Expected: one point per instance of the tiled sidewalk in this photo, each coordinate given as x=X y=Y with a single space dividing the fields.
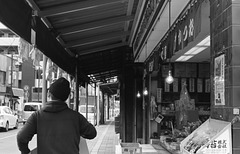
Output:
x=105 y=141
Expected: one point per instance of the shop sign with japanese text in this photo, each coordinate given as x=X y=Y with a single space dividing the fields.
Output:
x=153 y=62
x=220 y=145
x=151 y=65
x=186 y=28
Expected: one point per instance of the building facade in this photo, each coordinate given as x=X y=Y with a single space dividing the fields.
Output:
x=200 y=47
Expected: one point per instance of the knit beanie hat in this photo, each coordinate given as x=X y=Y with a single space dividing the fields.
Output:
x=60 y=89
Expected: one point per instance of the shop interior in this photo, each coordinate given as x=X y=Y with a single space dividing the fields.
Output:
x=184 y=103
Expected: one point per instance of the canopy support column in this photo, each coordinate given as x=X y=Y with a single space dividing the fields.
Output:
x=44 y=86
x=76 y=93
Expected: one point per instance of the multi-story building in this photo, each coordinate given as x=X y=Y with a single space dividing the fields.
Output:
x=15 y=77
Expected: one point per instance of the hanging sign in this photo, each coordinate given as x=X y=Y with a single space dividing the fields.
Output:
x=175 y=85
x=207 y=86
x=159 y=118
x=185 y=30
x=163 y=53
x=219 y=90
x=151 y=65
x=159 y=95
x=191 y=85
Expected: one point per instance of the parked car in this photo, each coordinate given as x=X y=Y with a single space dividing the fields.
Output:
x=91 y=113
x=29 y=108
x=7 y=118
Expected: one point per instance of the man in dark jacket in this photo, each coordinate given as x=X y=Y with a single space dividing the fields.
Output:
x=58 y=127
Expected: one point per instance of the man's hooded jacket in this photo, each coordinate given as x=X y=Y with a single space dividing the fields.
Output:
x=58 y=130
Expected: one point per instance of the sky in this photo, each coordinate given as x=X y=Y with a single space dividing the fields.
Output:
x=2 y=26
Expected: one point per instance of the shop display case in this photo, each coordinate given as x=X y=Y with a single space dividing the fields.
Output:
x=183 y=113
x=212 y=137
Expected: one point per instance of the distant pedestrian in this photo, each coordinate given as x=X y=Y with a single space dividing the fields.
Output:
x=58 y=127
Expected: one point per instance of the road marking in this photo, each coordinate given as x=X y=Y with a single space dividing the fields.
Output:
x=8 y=136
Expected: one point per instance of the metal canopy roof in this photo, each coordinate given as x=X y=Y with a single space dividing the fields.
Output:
x=110 y=88
x=96 y=32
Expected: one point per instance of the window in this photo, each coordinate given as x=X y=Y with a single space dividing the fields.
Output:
x=10 y=111
x=2 y=77
x=30 y=108
x=38 y=74
x=83 y=109
x=36 y=89
x=6 y=110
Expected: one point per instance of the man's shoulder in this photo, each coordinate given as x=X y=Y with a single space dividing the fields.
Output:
x=73 y=111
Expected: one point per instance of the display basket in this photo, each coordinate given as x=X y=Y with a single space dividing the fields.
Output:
x=212 y=137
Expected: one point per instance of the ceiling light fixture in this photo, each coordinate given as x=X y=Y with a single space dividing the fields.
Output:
x=169 y=79
x=145 y=92
x=138 y=94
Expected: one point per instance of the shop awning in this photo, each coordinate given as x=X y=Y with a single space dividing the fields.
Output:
x=92 y=36
x=18 y=92
x=91 y=100
x=17 y=15
x=15 y=92
x=110 y=88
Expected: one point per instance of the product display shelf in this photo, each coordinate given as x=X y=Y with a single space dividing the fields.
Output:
x=204 y=113
x=205 y=137
x=172 y=147
x=168 y=113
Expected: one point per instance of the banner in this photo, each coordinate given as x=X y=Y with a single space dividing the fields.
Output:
x=185 y=30
x=219 y=76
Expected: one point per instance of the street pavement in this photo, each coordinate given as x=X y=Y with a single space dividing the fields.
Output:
x=8 y=142
x=104 y=143
x=106 y=139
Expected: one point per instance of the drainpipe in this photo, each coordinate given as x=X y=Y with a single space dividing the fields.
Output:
x=11 y=94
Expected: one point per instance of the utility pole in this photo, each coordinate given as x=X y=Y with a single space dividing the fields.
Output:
x=11 y=82
x=38 y=75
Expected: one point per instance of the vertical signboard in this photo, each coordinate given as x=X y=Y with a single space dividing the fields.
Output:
x=159 y=95
x=175 y=85
x=219 y=97
x=191 y=85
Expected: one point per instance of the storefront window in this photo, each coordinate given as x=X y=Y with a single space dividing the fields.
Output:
x=1 y=100
x=2 y=77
